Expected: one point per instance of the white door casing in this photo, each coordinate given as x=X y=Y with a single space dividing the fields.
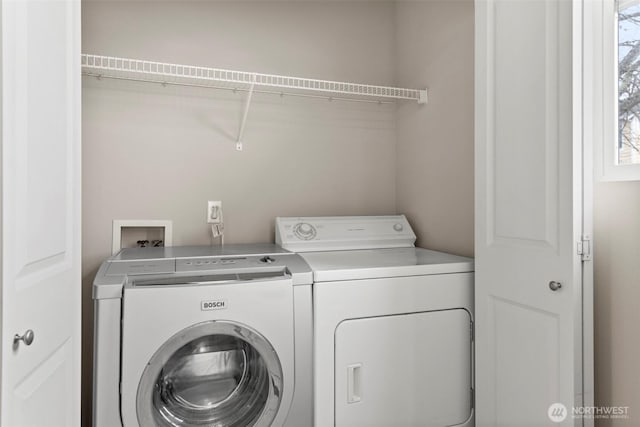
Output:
x=529 y=207
x=41 y=212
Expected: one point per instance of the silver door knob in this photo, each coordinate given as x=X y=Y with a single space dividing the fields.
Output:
x=27 y=338
x=554 y=286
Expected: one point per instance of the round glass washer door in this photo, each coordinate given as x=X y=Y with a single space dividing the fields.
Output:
x=213 y=373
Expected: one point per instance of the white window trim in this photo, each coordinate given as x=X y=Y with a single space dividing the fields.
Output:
x=605 y=95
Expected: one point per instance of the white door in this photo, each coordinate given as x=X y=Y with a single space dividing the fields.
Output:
x=529 y=207
x=40 y=213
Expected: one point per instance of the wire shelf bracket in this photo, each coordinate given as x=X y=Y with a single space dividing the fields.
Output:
x=188 y=75
x=244 y=117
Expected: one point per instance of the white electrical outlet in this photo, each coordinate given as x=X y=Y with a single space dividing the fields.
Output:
x=214 y=212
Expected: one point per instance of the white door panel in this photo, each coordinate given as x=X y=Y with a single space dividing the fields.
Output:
x=54 y=376
x=536 y=334
x=528 y=211
x=41 y=212
x=524 y=194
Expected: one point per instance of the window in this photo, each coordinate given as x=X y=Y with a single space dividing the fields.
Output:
x=618 y=146
x=628 y=144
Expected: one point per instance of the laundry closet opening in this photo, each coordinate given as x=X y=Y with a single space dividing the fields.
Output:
x=160 y=152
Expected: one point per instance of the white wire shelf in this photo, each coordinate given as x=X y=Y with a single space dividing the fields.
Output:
x=188 y=75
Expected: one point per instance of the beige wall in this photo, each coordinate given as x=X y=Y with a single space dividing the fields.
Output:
x=434 y=175
x=617 y=298
x=151 y=152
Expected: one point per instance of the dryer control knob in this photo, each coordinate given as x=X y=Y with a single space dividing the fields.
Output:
x=398 y=227
x=304 y=231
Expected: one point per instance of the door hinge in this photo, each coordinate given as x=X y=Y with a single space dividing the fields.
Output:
x=584 y=248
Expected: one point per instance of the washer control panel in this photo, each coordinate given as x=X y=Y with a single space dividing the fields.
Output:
x=308 y=234
x=217 y=263
x=149 y=266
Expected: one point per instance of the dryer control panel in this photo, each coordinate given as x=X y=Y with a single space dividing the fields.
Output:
x=312 y=234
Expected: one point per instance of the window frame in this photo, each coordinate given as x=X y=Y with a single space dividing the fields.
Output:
x=606 y=95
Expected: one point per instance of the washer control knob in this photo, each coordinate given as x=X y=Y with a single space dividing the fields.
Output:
x=398 y=227
x=304 y=231
x=267 y=259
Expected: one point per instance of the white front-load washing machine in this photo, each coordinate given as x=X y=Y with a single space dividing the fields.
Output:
x=393 y=324
x=203 y=336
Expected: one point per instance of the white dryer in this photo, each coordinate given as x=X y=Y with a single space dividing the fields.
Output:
x=195 y=336
x=393 y=324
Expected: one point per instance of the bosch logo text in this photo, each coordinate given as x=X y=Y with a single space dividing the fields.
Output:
x=213 y=305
